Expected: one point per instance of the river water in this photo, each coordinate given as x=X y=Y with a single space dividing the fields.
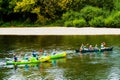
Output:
x=76 y=66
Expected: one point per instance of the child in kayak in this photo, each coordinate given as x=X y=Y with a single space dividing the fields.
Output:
x=26 y=57
x=45 y=53
x=15 y=58
x=41 y=50
x=54 y=52
x=35 y=55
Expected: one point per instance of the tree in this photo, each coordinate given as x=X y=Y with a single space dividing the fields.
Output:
x=45 y=10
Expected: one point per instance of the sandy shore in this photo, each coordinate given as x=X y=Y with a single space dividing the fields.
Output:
x=59 y=31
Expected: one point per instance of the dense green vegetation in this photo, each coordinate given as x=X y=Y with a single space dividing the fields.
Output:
x=76 y=13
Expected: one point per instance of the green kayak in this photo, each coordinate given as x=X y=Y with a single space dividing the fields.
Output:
x=31 y=61
x=58 y=55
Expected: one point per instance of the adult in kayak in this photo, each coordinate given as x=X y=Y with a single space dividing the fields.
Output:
x=82 y=47
x=90 y=47
x=96 y=47
x=103 y=45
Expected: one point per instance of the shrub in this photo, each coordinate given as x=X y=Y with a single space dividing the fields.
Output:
x=109 y=21
x=6 y=24
x=68 y=24
x=79 y=23
x=113 y=20
x=90 y=12
x=1 y=22
x=71 y=15
x=97 y=22
x=117 y=5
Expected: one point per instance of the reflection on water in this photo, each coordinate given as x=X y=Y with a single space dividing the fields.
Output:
x=76 y=66
x=94 y=58
x=80 y=66
x=114 y=74
x=42 y=71
x=28 y=43
x=26 y=67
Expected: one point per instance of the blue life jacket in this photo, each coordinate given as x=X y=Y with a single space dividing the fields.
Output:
x=15 y=59
x=34 y=54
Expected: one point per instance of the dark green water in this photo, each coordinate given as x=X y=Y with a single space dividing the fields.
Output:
x=76 y=66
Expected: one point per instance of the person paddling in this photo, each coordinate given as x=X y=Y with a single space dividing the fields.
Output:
x=41 y=50
x=96 y=47
x=26 y=57
x=103 y=45
x=54 y=52
x=82 y=47
x=90 y=47
x=15 y=58
x=34 y=53
x=45 y=53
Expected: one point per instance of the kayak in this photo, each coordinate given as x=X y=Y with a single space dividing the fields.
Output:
x=95 y=50
x=58 y=55
x=44 y=58
x=32 y=60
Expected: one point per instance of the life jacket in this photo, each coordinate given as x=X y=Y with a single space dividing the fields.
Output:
x=15 y=59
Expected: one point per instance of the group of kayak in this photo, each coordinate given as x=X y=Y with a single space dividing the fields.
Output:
x=43 y=56
x=84 y=49
x=34 y=57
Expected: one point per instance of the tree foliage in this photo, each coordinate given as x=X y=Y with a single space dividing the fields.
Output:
x=113 y=20
x=79 y=23
x=90 y=12
x=97 y=22
x=71 y=15
x=49 y=11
